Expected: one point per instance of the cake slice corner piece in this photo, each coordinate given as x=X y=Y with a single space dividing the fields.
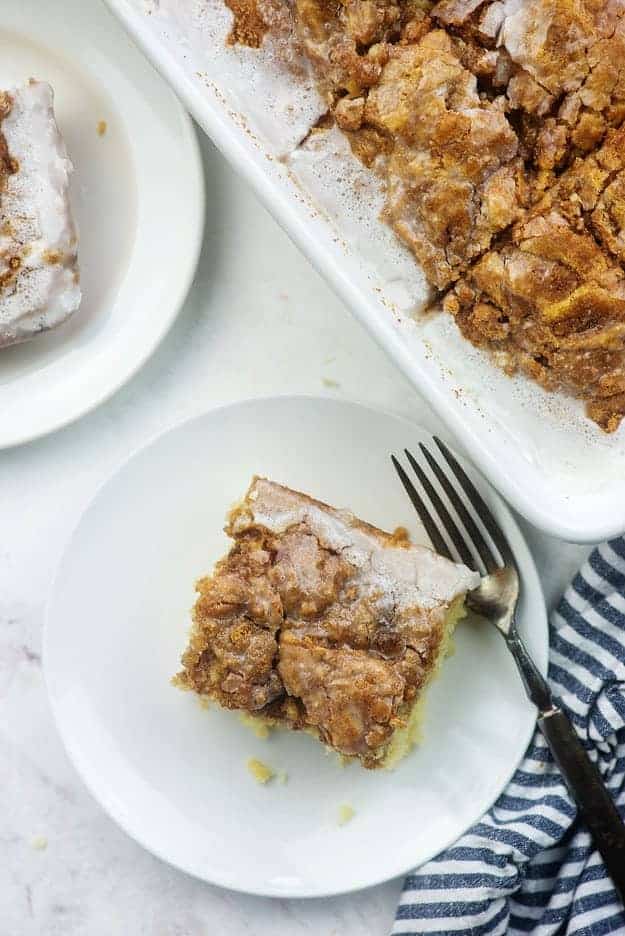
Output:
x=39 y=281
x=318 y=621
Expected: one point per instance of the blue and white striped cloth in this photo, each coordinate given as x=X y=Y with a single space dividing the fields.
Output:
x=528 y=866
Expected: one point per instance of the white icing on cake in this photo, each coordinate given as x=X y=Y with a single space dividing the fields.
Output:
x=524 y=32
x=36 y=225
x=413 y=576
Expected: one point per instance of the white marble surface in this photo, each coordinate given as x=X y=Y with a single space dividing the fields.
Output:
x=258 y=321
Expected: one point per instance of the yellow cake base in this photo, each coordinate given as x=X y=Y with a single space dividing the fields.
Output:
x=404 y=739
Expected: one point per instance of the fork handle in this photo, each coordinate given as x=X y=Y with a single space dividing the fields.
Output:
x=596 y=806
x=536 y=686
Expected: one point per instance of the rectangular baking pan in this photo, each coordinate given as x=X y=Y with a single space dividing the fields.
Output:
x=538 y=449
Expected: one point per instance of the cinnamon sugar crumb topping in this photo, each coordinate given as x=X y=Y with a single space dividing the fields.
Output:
x=318 y=622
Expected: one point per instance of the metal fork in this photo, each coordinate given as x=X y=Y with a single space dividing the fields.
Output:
x=496 y=599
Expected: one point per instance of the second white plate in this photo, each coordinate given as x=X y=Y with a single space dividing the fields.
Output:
x=138 y=196
x=174 y=775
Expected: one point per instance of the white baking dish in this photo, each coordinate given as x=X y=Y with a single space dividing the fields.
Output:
x=554 y=466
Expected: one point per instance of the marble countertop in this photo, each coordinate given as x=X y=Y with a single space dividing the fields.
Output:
x=258 y=321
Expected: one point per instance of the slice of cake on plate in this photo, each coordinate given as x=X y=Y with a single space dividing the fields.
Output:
x=318 y=621
x=38 y=245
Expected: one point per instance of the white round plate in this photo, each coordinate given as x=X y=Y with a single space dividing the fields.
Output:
x=173 y=774
x=138 y=198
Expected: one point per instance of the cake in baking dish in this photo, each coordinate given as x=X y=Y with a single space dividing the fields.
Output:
x=39 y=285
x=496 y=127
x=563 y=262
x=319 y=622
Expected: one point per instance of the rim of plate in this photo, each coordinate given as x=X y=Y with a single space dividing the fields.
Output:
x=107 y=805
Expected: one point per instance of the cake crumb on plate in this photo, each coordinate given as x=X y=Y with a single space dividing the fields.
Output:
x=346 y=813
x=262 y=773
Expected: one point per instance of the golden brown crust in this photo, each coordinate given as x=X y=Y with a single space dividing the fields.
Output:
x=592 y=194
x=566 y=66
x=453 y=176
x=284 y=628
x=550 y=300
x=551 y=303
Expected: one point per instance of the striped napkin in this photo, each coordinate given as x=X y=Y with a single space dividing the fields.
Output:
x=528 y=866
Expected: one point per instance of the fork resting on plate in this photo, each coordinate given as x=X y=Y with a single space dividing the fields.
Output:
x=487 y=551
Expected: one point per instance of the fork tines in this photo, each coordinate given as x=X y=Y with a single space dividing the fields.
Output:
x=466 y=542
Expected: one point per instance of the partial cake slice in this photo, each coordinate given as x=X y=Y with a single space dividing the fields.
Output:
x=320 y=622
x=38 y=244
